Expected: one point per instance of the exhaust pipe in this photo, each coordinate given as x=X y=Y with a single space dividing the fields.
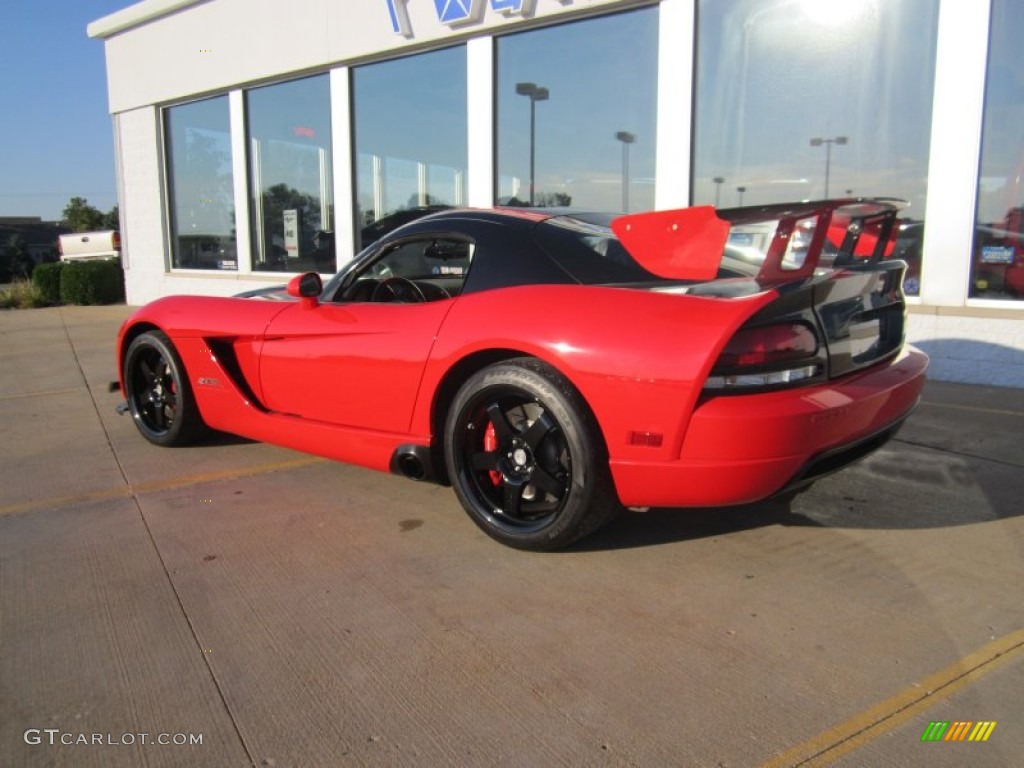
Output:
x=409 y=464
x=412 y=461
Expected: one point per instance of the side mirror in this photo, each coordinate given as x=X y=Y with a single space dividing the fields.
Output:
x=307 y=288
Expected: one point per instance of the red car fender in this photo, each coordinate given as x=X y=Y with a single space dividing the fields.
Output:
x=241 y=321
x=639 y=358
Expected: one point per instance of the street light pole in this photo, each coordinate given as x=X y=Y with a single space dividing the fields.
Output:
x=741 y=190
x=817 y=142
x=626 y=138
x=535 y=94
x=719 y=181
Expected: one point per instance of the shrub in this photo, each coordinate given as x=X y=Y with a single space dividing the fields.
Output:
x=46 y=278
x=91 y=282
x=21 y=295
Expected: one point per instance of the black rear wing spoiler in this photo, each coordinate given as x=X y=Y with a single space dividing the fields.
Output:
x=687 y=243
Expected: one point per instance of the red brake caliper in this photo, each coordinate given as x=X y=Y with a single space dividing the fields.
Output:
x=491 y=444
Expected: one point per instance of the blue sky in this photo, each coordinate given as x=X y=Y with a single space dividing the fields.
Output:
x=56 y=139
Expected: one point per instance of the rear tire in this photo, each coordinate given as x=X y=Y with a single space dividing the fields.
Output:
x=526 y=458
x=158 y=391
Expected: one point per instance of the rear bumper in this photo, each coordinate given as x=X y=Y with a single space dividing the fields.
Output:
x=745 y=448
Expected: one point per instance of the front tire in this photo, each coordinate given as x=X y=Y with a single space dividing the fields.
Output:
x=526 y=457
x=159 y=394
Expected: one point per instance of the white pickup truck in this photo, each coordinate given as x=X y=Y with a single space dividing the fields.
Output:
x=89 y=246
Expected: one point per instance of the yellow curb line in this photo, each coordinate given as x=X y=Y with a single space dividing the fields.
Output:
x=43 y=393
x=827 y=747
x=157 y=485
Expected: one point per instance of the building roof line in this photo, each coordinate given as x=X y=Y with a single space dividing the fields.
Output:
x=135 y=15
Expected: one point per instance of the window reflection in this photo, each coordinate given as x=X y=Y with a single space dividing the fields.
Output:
x=200 y=185
x=804 y=99
x=418 y=270
x=576 y=114
x=410 y=137
x=998 y=266
x=290 y=176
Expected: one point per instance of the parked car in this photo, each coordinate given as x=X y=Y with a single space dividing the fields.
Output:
x=89 y=246
x=553 y=368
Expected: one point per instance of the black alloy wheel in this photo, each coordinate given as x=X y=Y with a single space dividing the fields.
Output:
x=159 y=396
x=526 y=458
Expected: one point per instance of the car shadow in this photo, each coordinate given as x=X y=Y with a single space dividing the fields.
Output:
x=972 y=361
x=844 y=511
x=632 y=530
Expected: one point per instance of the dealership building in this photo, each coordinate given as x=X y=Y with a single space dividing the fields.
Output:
x=255 y=139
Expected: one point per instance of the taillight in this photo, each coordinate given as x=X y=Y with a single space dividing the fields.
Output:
x=767 y=356
x=117 y=241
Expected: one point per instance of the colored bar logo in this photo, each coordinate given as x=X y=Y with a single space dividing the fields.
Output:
x=958 y=730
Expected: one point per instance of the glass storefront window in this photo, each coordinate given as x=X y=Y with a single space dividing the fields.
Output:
x=289 y=146
x=576 y=114
x=200 y=185
x=997 y=270
x=410 y=139
x=807 y=99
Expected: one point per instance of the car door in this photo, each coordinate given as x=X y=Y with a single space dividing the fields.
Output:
x=357 y=361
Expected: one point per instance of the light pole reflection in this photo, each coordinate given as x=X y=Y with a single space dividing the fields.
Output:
x=626 y=138
x=719 y=181
x=817 y=142
x=535 y=93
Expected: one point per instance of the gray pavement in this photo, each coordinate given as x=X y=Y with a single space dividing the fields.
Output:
x=285 y=610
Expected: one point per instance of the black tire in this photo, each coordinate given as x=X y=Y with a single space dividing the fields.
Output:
x=526 y=458
x=158 y=391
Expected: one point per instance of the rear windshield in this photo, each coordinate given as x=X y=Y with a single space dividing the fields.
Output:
x=586 y=248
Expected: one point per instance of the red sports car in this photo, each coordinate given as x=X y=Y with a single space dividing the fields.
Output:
x=555 y=367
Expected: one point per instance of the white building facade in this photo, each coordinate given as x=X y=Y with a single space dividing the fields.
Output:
x=256 y=139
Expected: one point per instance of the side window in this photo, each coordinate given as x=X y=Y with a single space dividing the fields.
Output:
x=424 y=269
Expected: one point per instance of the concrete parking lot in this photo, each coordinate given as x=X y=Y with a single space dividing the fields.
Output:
x=237 y=604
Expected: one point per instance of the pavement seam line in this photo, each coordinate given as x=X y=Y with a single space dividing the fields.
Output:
x=973 y=408
x=159 y=555
x=871 y=723
x=951 y=452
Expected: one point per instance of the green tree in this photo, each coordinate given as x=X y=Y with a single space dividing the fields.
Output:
x=16 y=263
x=112 y=218
x=81 y=216
x=553 y=200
